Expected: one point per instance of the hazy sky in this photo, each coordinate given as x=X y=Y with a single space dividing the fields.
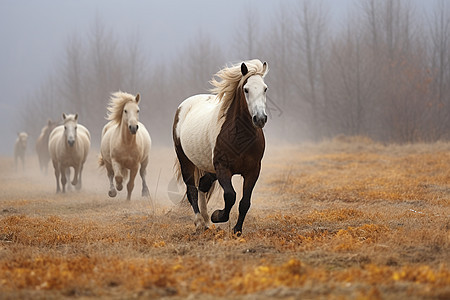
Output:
x=33 y=35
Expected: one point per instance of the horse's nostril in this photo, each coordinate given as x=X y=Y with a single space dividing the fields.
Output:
x=255 y=120
x=265 y=118
x=137 y=127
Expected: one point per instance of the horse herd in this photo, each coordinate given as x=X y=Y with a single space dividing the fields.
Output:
x=215 y=137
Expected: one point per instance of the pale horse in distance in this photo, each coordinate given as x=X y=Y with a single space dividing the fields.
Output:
x=42 y=145
x=68 y=146
x=20 y=148
x=125 y=144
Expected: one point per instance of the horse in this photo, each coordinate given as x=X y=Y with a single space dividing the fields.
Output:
x=125 y=144
x=219 y=135
x=20 y=148
x=68 y=146
x=42 y=146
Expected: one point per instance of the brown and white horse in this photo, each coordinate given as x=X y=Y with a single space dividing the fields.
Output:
x=218 y=136
x=42 y=145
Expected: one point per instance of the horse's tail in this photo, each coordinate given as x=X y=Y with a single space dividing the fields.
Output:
x=197 y=175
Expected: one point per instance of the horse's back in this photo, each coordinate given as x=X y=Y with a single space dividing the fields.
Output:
x=197 y=128
x=55 y=136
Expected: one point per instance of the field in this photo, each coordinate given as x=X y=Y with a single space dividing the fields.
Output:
x=342 y=219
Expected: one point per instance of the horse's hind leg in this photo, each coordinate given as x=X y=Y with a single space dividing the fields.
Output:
x=204 y=187
x=143 y=172
x=130 y=184
x=187 y=172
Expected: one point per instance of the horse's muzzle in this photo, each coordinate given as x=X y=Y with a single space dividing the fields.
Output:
x=71 y=142
x=133 y=128
x=259 y=120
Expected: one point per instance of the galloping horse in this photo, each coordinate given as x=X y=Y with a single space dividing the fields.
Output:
x=125 y=144
x=217 y=136
x=20 y=148
x=68 y=146
x=42 y=145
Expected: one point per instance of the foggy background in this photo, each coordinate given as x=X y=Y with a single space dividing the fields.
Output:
x=379 y=68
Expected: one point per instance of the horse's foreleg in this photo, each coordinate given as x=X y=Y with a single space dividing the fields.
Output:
x=57 y=173
x=75 y=176
x=229 y=196
x=118 y=174
x=244 y=204
x=63 y=178
x=143 y=172
x=78 y=176
x=130 y=184
x=112 y=190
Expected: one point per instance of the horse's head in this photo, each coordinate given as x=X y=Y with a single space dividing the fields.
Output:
x=255 y=94
x=22 y=138
x=130 y=114
x=70 y=128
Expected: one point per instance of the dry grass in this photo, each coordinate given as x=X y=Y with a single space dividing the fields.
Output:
x=348 y=218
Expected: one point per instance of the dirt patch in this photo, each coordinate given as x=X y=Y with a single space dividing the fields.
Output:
x=341 y=219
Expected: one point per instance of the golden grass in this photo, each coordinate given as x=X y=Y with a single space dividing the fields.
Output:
x=348 y=218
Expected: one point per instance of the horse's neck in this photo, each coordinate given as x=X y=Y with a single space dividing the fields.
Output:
x=238 y=111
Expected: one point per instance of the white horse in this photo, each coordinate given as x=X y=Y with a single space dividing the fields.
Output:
x=20 y=148
x=68 y=146
x=125 y=144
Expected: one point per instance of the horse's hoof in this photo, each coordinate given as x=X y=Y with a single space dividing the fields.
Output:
x=237 y=232
x=219 y=217
x=112 y=194
x=145 y=193
x=119 y=186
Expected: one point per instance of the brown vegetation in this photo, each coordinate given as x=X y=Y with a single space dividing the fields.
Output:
x=348 y=218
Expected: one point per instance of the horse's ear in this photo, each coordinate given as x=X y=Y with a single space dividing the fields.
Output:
x=138 y=97
x=64 y=116
x=76 y=117
x=244 y=69
x=49 y=122
x=265 y=69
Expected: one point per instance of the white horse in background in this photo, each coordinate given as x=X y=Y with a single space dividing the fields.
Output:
x=20 y=148
x=125 y=144
x=68 y=146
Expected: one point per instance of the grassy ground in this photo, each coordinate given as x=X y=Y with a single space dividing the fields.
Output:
x=345 y=219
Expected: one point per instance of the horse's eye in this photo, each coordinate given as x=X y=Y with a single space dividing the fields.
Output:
x=76 y=127
x=246 y=90
x=138 y=111
x=65 y=127
x=125 y=111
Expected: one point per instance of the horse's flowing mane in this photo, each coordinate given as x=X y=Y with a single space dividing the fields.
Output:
x=230 y=80
x=116 y=103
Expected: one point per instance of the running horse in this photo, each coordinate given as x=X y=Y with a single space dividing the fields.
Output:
x=125 y=144
x=219 y=135
x=42 y=146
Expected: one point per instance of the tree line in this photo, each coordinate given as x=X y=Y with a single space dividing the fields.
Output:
x=383 y=73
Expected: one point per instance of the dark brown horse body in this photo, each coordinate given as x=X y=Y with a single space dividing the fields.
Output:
x=238 y=149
